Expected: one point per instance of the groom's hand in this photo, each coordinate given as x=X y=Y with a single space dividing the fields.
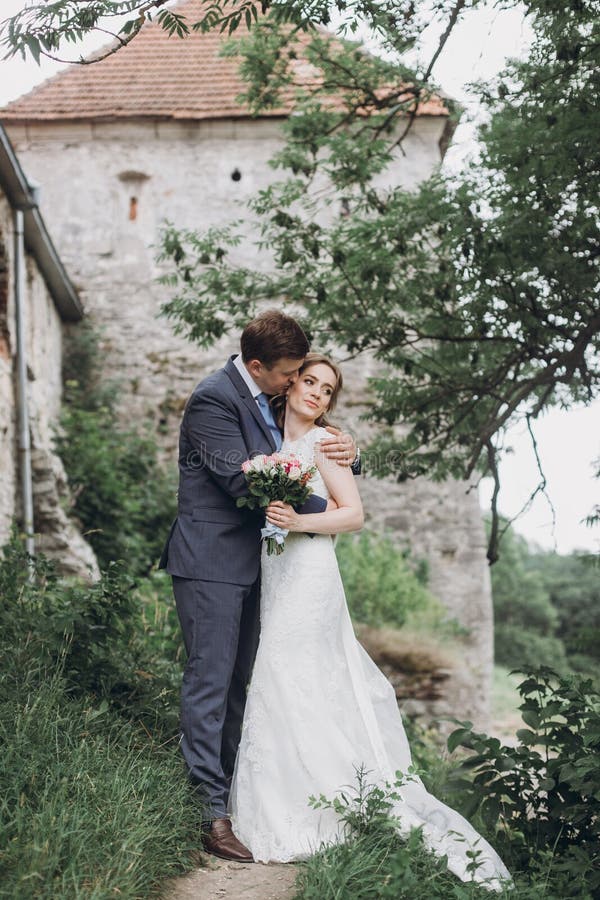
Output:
x=340 y=446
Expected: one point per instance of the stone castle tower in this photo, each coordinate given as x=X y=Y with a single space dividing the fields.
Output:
x=154 y=133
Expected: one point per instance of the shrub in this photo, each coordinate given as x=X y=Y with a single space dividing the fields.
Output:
x=103 y=636
x=537 y=802
x=123 y=498
x=375 y=861
x=384 y=588
x=542 y=796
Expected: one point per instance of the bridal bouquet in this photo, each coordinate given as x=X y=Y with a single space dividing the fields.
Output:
x=281 y=476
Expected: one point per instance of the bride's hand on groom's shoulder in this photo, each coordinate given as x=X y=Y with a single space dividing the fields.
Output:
x=340 y=446
x=284 y=515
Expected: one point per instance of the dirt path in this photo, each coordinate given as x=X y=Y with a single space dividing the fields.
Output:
x=219 y=879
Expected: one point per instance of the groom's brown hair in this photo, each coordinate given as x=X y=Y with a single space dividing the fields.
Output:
x=271 y=336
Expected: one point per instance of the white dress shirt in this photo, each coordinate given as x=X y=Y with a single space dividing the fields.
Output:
x=248 y=379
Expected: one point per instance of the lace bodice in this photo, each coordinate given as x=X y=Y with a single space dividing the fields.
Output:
x=304 y=448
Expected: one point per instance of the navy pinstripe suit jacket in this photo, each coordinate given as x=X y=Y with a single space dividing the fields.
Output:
x=212 y=539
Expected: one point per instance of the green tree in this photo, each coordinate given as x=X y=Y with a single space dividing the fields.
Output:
x=44 y=29
x=573 y=587
x=525 y=619
x=479 y=294
x=546 y=608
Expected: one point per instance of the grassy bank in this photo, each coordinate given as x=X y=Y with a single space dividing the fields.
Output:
x=93 y=798
x=90 y=807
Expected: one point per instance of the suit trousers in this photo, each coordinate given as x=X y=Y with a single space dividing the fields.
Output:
x=220 y=625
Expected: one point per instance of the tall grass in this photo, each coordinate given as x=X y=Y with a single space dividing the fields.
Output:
x=94 y=801
x=385 y=867
x=88 y=808
x=380 y=866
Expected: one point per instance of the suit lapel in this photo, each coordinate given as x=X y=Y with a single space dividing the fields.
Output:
x=248 y=400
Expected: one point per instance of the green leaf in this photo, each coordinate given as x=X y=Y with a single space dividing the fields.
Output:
x=527 y=737
x=546 y=784
x=34 y=47
x=531 y=718
x=458 y=738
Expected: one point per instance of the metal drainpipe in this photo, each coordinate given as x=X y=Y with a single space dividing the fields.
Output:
x=23 y=438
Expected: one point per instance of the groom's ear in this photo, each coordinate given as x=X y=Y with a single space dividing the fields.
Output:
x=255 y=367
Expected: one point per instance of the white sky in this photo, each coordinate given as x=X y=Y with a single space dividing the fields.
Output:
x=568 y=442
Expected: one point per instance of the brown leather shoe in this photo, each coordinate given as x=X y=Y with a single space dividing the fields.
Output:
x=222 y=842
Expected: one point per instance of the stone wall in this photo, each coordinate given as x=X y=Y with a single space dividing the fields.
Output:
x=57 y=536
x=105 y=191
x=429 y=677
x=106 y=188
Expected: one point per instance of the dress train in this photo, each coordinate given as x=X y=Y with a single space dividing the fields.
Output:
x=319 y=710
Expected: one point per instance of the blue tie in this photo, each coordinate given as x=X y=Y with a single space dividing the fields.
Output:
x=265 y=408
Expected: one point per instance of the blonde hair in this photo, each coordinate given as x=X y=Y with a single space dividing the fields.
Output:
x=311 y=359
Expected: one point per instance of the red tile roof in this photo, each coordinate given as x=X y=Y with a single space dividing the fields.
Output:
x=157 y=77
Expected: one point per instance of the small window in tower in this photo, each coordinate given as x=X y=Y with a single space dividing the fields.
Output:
x=134 y=182
x=236 y=175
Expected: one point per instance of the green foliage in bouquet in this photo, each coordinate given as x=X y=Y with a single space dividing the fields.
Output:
x=268 y=479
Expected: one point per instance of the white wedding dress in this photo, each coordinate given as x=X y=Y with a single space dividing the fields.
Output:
x=318 y=709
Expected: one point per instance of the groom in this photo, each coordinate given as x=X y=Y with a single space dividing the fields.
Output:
x=213 y=553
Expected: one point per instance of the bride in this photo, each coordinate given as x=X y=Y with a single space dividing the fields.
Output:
x=318 y=709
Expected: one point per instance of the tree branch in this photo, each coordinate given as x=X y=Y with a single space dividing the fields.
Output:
x=492 y=550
